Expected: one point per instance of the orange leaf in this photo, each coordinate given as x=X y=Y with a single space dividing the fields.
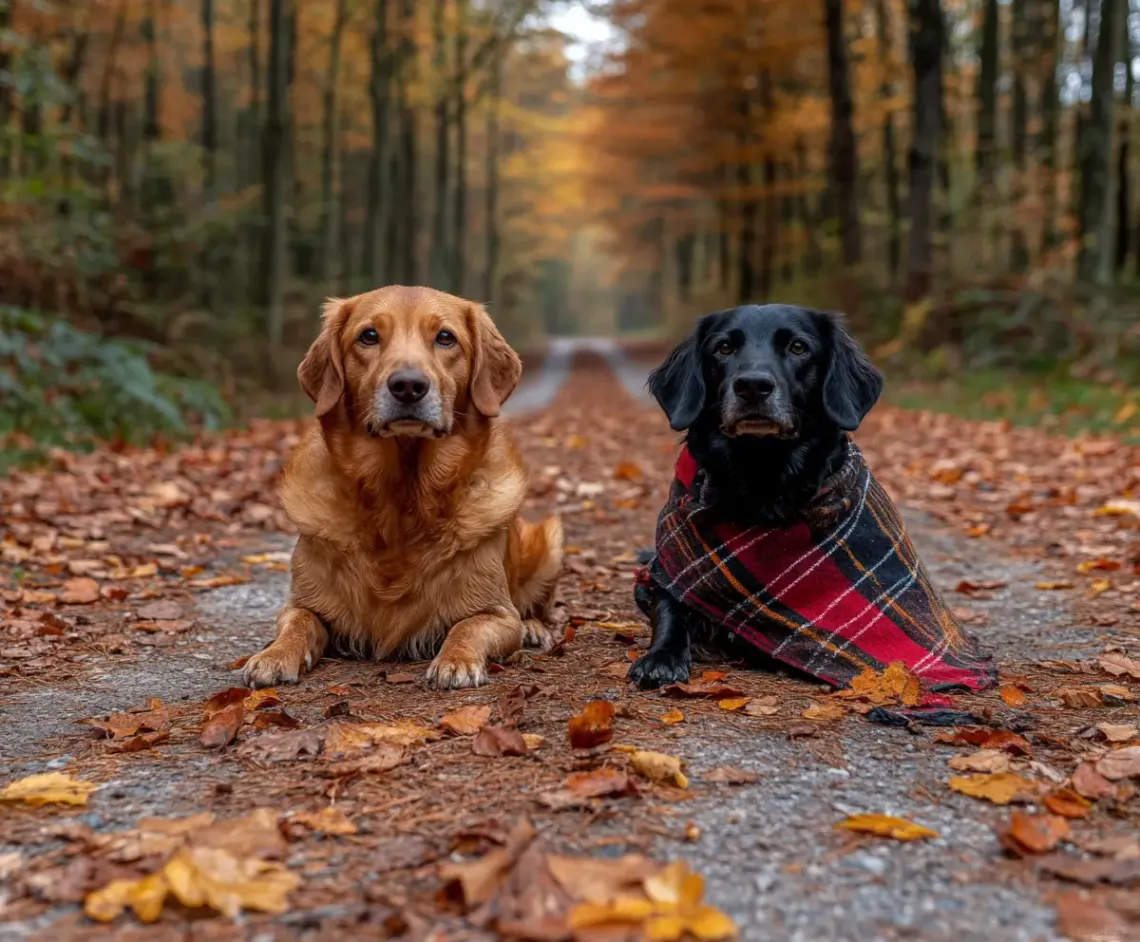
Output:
x=1012 y=696
x=733 y=704
x=593 y=726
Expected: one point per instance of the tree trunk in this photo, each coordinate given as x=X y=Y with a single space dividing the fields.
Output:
x=1094 y=261
x=376 y=257
x=409 y=156
x=844 y=153
x=1123 y=168
x=927 y=41
x=209 y=105
x=440 y=250
x=890 y=160
x=683 y=254
x=771 y=205
x=1050 y=119
x=459 y=248
x=492 y=195
x=253 y=159
x=7 y=7
x=1022 y=64
x=749 y=212
x=152 y=129
x=987 y=93
x=274 y=152
x=329 y=148
x=813 y=255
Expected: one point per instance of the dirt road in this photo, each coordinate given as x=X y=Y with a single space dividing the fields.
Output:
x=187 y=556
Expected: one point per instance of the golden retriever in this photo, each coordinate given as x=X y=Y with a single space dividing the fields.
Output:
x=406 y=495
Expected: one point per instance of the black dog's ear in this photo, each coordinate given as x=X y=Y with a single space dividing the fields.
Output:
x=678 y=384
x=852 y=384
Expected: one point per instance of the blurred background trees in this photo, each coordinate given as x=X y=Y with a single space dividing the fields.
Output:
x=195 y=175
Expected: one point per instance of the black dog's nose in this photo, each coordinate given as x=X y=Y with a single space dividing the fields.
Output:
x=753 y=387
x=408 y=386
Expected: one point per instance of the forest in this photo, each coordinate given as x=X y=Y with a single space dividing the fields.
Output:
x=183 y=181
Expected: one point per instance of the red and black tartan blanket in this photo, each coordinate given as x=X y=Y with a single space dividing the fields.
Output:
x=832 y=594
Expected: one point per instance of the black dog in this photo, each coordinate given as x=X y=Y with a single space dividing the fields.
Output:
x=766 y=395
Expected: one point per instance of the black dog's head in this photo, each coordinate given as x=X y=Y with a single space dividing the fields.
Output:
x=771 y=370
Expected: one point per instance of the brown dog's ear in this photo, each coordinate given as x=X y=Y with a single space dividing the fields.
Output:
x=495 y=367
x=321 y=373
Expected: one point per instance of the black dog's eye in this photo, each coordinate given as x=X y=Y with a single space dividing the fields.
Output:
x=368 y=337
x=445 y=338
x=797 y=348
x=725 y=348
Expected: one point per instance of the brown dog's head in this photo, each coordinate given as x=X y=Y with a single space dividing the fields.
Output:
x=407 y=362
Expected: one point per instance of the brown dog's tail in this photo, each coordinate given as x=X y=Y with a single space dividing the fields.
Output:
x=534 y=562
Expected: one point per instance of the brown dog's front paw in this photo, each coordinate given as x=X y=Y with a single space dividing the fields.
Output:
x=536 y=635
x=450 y=670
x=274 y=666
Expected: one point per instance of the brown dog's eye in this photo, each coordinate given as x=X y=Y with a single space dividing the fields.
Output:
x=797 y=348
x=445 y=338
x=368 y=337
x=725 y=348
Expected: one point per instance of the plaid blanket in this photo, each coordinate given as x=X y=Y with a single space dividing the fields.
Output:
x=831 y=594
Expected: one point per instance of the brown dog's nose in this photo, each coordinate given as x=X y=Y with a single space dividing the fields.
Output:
x=408 y=386
x=753 y=387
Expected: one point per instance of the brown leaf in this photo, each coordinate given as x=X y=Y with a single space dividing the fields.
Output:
x=580 y=787
x=1116 y=732
x=283 y=747
x=223 y=699
x=496 y=741
x=626 y=471
x=343 y=739
x=1122 y=763
x=718 y=690
x=466 y=721
x=1118 y=665
x=729 y=775
x=478 y=881
x=382 y=757
x=330 y=820
x=1091 y=872
x=82 y=591
x=222 y=726
x=1033 y=833
x=1089 y=783
x=825 y=712
x=1081 y=697
x=141 y=742
x=399 y=678
x=513 y=703
x=264 y=719
x=1085 y=920
x=768 y=705
x=968 y=587
x=1067 y=803
x=160 y=611
x=984 y=760
x=593 y=726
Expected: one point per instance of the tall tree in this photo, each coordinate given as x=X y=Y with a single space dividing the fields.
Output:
x=890 y=160
x=927 y=43
x=844 y=153
x=440 y=251
x=989 y=56
x=1047 y=145
x=209 y=103
x=6 y=9
x=1094 y=144
x=275 y=257
x=329 y=136
x=459 y=248
x=491 y=193
x=407 y=188
x=1123 y=163
x=1022 y=47
x=376 y=254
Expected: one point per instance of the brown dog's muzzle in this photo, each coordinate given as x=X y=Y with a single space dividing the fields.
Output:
x=408 y=404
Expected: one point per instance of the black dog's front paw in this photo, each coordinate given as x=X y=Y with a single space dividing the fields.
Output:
x=658 y=668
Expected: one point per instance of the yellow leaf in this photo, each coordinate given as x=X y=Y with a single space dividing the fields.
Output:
x=672 y=717
x=676 y=885
x=1054 y=585
x=575 y=441
x=897 y=683
x=1001 y=787
x=326 y=821
x=668 y=928
x=204 y=876
x=534 y=741
x=732 y=704
x=659 y=767
x=1098 y=586
x=48 y=788
x=710 y=925
x=144 y=896
x=1118 y=508
x=825 y=711
x=1124 y=413
x=886 y=826
x=633 y=909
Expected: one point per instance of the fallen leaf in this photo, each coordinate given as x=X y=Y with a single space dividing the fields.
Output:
x=593 y=726
x=1085 y=920
x=224 y=698
x=729 y=775
x=1067 y=803
x=533 y=741
x=984 y=760
x=124 y=725
x=1123 y=763
x=1098 y=565
x=221 y=728
x=345 y=739
x=1012 y=696
x=216 y=582
x=477 y=881
x=626 y=471
x=1115 y=693
x=580 y=787
x=896 y=684
x=140 y=743
x=1116 y=846
x=1033 y=833
x=382 y=757
x=496 y=741
x=1089 y=783
x=283 y=747
x=1001 y=787
x=1091 y=872
x=985 y=738
x=825 y=712
x=160 y=611
x=399 y=678
x=734 y=704
x=968 y=587
x=1054 y=585
x=82 y=591
x=1081 y=697
x=1118 y=665
x=768 y=705
x=718 y=690
x=885 y=825
x=466 y=721
x=330 y=820
x=659 y=767
x=1117 y=732
x=145 y=897
x=672 y=717
x=48 y=788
